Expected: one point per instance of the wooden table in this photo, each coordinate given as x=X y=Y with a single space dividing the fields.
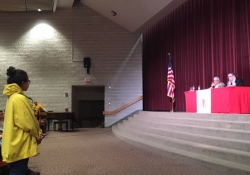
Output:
x=232 y=100
x=60 y=116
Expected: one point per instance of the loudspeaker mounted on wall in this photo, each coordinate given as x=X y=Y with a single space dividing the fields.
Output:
x=87 y=63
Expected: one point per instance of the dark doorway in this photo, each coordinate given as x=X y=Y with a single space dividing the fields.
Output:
x=90 y=113
x=88 y=105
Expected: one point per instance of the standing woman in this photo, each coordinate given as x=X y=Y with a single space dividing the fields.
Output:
x=22 y=133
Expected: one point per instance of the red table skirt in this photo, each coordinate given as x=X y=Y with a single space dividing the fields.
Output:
x=191 y=101
x=223 y=100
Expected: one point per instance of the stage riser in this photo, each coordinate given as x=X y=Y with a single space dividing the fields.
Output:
x=232 y=117
x=188 y=146
x=200 y=122
x=224 y=167
x=216 y=132
x=225 y=139
x=196 y=138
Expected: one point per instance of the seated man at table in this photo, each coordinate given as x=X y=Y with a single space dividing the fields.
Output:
x=217 y=83
x=233 y=81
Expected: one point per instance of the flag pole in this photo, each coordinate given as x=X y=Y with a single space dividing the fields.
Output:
x=172 y=110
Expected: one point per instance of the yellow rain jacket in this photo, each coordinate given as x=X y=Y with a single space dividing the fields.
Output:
x=21 y=128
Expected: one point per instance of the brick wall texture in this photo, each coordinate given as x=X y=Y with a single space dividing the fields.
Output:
x=51 y=47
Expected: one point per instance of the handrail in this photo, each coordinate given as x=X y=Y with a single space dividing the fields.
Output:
x=122 y=107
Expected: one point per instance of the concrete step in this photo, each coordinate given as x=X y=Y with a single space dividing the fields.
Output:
x=241 y=145
x=207 y=131
x=222 y=166
x=242 y=157
x=218 y=123
x=231 y=117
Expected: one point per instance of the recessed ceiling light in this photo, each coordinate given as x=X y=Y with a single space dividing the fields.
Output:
x=39 y=10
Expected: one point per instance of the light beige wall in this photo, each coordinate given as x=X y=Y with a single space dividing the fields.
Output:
x=53 y=57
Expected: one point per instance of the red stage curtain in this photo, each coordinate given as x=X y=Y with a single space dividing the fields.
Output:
x=205 y=38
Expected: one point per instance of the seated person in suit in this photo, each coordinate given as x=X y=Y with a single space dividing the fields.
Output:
x=217 y=83
x=39 y=108
x=233 y=81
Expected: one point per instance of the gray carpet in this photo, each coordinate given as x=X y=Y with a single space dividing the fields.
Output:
x=96 y=151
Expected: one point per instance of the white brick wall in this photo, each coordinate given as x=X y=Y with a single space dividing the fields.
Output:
x=53 y=57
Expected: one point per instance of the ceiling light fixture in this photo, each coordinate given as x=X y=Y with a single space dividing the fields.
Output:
x=39 y=10
x=113 y=13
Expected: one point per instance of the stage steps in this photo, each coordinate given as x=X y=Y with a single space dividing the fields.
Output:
x=216 y=141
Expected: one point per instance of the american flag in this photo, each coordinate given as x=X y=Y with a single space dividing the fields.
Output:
x=171 y=82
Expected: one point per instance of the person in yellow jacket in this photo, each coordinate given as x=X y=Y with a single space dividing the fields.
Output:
x=22 y=133
x=37 y=107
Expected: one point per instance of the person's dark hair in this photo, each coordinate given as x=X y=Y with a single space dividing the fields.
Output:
x=233 y=74
x=1 y=111
x=17 y=76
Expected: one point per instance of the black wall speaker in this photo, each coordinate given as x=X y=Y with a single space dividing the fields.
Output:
x=87 y=62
